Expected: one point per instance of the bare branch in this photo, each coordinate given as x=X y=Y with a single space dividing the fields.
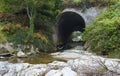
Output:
x=28 y=12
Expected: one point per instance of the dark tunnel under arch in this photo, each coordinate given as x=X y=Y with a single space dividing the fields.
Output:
x=67 y=23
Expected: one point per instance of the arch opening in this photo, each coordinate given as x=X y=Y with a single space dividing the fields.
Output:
x=67 y=23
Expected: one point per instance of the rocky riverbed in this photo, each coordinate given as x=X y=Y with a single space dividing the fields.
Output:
x=78 y=63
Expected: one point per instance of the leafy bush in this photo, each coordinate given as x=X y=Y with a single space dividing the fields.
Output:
x=40 y=16
x=2 y=36
x=88 y=3
x=18 y=34
x=103 y=35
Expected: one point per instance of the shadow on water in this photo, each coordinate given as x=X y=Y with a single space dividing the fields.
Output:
x=33 y=59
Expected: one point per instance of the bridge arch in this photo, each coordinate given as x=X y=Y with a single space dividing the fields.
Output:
x=67 y=23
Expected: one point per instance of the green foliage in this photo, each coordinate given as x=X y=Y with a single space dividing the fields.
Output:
x=11 y=5
x=18 y=37
x=17 y=34
x=41 y=14
x=48 y=8
x=103 y=35
x=83 y=4
x=2 y=36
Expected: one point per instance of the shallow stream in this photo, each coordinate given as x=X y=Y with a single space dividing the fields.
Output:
x=33 y=59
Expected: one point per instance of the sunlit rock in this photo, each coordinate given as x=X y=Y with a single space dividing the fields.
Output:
x=9 y=69
x=112 y=65
x=54 y=73
x=66 y=71
x=85 y=65
x=34 y=70
x=57 y=65
x=21 y=54
x=3 y=68
x=69 y=54
x=94 y=65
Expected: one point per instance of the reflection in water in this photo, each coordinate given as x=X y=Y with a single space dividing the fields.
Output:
x=34 y=59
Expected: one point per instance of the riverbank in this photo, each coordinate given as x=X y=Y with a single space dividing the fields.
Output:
x=79 y=63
